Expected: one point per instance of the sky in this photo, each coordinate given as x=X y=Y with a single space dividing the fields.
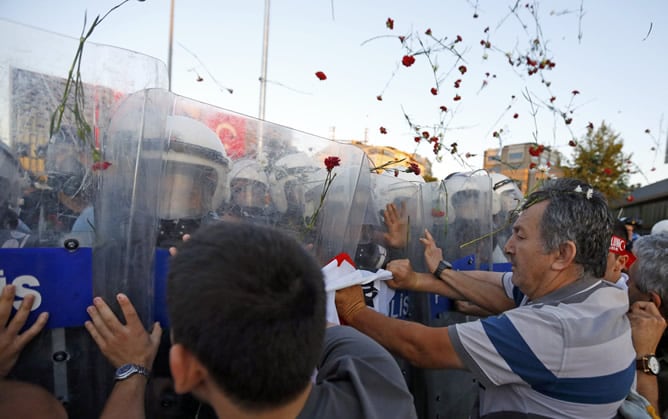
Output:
x=609 y=51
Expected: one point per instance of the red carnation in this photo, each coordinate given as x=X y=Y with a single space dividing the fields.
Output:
x=320 y=75
x=456 y=98
x=444 y=108
x=389 y=23
x=408 y=60
x=572 y=143
x=331 y=162
x=413 y=168
x=101 y=165
x=434 y=91
x=516 y=116
x=383 y=130
x=427 y=32
x=458 y=39
x=462 y=69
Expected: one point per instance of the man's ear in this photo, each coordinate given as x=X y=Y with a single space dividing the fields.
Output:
x=620 y=263
x=186 y=369
x=565 y=256
x=658 y=302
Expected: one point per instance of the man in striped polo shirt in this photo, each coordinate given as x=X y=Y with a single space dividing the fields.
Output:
x=565 y=350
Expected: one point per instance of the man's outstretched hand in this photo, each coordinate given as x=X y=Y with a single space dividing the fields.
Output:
x=127 y=343
x=11 y=341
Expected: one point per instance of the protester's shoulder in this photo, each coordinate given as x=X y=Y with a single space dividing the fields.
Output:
x=345 y=340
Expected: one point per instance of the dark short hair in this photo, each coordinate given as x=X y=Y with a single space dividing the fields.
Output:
x=249 y=302
x=575 y=212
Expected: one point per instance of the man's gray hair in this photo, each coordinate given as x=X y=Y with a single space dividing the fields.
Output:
x=578 y=213
x=652 y=264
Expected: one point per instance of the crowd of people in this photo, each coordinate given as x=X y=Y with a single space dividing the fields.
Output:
x=576 y=329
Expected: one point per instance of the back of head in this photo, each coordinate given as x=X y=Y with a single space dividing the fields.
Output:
x=578 y=213
x=661 y=227
x=28 y=401
x=249 y=303
x=650 y=272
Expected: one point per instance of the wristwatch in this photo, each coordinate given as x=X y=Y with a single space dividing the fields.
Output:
x=648 y=364
x=128 y=370
x=442 y=265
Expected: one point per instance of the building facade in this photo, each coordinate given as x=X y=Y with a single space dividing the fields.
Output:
x=524 y=163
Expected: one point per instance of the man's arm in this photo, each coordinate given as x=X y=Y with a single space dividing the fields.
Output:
x=422 y=346
x=124 y=344
x=647 y=327
x=482 y=288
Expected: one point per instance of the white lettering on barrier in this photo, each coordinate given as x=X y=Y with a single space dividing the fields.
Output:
x=401 y=309
x=23 y=284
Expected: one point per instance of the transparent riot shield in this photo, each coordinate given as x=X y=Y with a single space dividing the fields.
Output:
x=406 y=194
x=335 y=206
x=57 y=200
x=468 y=245
x=507 y=198
x=469 y=220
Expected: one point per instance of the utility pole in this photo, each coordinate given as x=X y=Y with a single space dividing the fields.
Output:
x=171 y=45
x=265 y=48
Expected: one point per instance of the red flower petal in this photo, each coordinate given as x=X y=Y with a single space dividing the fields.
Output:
x=320 y=75
x=408 y=60
x=101 y=165
x=331 y=162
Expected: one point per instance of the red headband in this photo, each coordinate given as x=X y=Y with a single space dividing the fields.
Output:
x=618 y=247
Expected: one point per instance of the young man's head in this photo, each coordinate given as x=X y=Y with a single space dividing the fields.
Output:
x=247 y=312
x=564 y=226
x=648 y=276
x=620 y=258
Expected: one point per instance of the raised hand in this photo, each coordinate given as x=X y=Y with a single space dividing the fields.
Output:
x=11 y=341
x=127 y=343
x=432 y=253
x=647 y=326
x=396 y=221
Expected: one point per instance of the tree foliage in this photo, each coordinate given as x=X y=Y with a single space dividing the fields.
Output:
x=598 y=159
